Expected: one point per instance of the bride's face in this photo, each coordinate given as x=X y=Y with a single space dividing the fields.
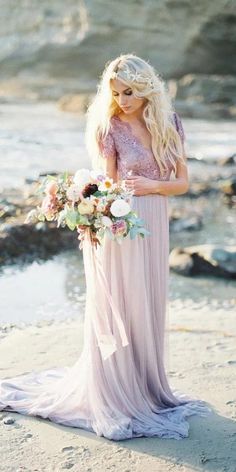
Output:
x=124 y=97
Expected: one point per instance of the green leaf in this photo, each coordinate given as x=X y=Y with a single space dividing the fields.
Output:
x=133 y=232
x=72 y=218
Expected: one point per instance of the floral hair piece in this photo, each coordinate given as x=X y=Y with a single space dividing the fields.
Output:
x=137 y=77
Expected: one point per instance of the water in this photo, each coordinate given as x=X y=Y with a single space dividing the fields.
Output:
x=43 y=291
x=55 y=290
x=210 y=139
x=40 y=138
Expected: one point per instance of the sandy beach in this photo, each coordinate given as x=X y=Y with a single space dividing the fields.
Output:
x=202 y=361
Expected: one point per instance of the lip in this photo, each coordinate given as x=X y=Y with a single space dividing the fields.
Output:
x=125 y=108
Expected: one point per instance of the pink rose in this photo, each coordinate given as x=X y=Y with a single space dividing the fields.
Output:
x=119 y=228
x=49 y=205
x=51 y=188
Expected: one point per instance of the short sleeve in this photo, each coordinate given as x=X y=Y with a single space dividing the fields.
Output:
x=179 y=126
x=107 y=146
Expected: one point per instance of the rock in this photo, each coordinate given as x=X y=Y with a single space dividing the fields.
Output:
x=75 y=103
x=181 y=262
x=66 y=43
x=206 y=259
x=44 y=174
x=228 y=161
x=200 y=188
x=68 y=449
x=192 y=223
x=28 y=242
x=7 y=210
x=9 y=420
x=228 y=188
x=192 y=108
x=67 y=465
x=207 y=89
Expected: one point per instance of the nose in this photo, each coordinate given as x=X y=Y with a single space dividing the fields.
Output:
x=122 y=102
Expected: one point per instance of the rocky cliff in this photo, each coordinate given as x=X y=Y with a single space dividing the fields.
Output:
x=52 y=48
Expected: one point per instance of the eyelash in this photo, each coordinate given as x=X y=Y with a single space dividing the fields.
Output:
x=126 y=93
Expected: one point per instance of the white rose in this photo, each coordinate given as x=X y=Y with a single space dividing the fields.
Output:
x=120 y=208
x=82 y=177
x=86 y=207
x=73 y=193
x=106 y=221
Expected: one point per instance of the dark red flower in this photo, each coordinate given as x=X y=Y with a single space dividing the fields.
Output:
x=90 y=189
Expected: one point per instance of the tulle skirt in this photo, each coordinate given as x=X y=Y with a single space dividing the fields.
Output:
x=118 y=388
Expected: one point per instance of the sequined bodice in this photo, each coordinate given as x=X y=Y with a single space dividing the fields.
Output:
x=132 y=157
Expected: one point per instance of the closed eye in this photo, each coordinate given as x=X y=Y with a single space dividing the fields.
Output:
x=115 y=94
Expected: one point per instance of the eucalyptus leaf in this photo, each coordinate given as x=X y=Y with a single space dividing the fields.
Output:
x=72 y=218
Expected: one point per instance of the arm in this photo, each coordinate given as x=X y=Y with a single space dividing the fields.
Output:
x=144 y=186
x=111 y=168
x=109 y=154
x=175 y=187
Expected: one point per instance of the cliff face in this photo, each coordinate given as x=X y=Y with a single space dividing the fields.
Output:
x=63 y=46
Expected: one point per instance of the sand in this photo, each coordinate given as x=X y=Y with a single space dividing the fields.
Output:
x=202 y=363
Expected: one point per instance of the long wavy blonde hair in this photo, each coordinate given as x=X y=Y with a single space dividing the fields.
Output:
x=157 y=113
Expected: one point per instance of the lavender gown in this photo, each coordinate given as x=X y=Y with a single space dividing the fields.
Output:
x=118 y=388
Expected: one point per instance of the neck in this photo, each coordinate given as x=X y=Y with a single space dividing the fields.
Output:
x=135 y=116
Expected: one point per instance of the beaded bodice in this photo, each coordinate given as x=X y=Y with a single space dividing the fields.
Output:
x=131 y=155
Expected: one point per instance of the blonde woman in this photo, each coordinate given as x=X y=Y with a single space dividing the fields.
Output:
x=119 y=388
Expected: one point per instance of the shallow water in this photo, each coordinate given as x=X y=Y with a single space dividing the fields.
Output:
x=40 y=138
x=43 y=291
x=55 y=290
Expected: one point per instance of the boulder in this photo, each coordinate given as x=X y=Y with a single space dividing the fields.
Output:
x=206 y=259
x=228 y=161
x=228 y=187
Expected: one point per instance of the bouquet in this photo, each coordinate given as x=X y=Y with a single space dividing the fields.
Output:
x=88 y=201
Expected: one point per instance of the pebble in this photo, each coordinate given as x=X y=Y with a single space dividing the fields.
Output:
x=68 y=448
x=67 y=465
x=9 y=420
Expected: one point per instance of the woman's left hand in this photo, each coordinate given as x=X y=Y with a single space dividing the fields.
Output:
x=140 y=185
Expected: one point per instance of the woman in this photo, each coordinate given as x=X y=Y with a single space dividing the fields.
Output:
x=118 y=388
